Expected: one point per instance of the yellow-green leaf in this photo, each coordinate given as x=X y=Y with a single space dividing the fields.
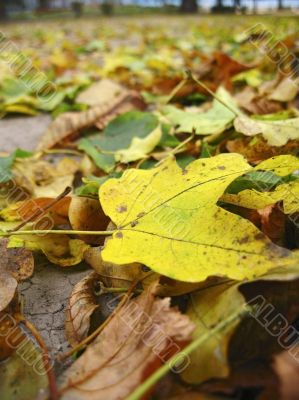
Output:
x=167 y=219
x=288 y=192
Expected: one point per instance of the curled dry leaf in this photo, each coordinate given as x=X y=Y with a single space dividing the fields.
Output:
x=82 y=304
x=68 y=125
x=249 y=100
x=86 y=214
x=15 y=265
x=142 y=335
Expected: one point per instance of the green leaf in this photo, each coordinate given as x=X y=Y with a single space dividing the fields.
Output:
x=6 y=164
x=216 y=120
x=258 y=180
x=128 y=137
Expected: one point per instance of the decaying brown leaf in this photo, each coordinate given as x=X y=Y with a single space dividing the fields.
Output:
x=82 y=304
x=136 y=341
x=15 y=265
x=254 y=103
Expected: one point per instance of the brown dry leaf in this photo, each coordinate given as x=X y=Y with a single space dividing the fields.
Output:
x=251 y=101
x=15 y=265
x=86 y=214
x=273 y=222
x=219 y=69
x=67 y=126
x=257 y=150
x=142 y=335
x=286 y=367
x=114 y=275
x=82 y=304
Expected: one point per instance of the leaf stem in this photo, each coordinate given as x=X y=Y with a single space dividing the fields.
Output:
x=175 y=150
x=175 y=90
x=200 y=83
x=141 y=390
x=56 y=232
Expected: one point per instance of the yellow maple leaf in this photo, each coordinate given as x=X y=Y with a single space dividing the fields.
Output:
x=167 y=219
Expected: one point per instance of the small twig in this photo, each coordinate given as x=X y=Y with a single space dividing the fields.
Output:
x=42 y=211
x=200 y=83
x=62 y=151
x=92 y=336
x=176 y=89
x=175 y=150
x=54 y=394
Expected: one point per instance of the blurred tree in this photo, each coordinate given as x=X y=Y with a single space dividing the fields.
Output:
x=77 y=7
x=43 y=5
x=3 y=10
x=107 y=7
x=189 y=6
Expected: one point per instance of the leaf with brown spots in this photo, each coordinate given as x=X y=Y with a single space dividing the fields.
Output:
x=174 y=226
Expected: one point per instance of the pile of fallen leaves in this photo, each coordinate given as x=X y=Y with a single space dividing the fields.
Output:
x=180 y=191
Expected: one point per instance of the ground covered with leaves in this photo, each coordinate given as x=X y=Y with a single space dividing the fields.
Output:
x=159 y=211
